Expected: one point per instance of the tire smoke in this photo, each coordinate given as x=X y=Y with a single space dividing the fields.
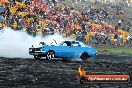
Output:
x=16 y=44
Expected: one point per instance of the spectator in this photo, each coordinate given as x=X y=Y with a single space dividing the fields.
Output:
x=51 y=16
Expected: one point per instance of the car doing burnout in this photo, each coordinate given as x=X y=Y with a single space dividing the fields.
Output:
x=66 y=49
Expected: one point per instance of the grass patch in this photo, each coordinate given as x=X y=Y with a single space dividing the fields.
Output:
x=115 y=50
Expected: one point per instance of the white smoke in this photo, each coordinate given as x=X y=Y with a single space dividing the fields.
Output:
x=16 y=44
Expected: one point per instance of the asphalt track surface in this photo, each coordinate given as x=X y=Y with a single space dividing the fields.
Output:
x=30 y=73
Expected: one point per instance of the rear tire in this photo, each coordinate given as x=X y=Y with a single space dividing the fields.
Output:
x=84 y=56
x=50 y=55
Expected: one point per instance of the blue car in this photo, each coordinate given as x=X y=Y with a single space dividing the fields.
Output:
x=66 y=49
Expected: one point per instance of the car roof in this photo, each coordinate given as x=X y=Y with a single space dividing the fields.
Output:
x=68 y=41
x=71 y=41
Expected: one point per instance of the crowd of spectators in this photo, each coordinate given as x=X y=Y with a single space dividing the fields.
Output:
x=49 y=16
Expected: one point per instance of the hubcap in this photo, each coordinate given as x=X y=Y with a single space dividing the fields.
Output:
x=50 y=55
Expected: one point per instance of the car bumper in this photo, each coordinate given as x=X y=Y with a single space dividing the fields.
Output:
x=93 y=55
x=42 y=53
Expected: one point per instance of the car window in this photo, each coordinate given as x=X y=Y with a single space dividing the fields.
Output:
x=75 y=44
x=66 y=43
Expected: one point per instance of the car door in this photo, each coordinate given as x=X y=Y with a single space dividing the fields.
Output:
x=75 y=51
x=66 y=49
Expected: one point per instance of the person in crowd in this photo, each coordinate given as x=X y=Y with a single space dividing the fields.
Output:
x=55 y=17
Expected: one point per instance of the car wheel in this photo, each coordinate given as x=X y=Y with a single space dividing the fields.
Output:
x=37 y=57
x=50 y=55
x=84 y=56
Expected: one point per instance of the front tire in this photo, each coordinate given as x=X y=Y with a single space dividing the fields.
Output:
x=50 y=55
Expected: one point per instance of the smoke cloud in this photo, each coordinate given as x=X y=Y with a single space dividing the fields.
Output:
x=16 y=44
